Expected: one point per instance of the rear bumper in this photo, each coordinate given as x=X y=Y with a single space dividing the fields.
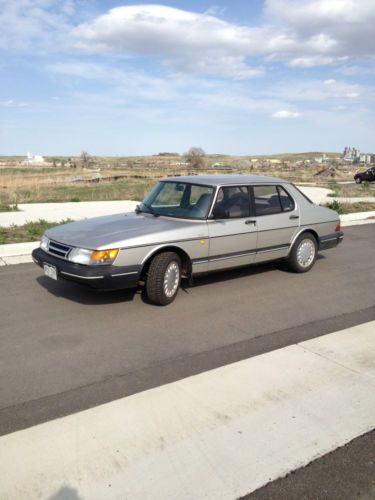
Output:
x=330 y=241
x=99 y=277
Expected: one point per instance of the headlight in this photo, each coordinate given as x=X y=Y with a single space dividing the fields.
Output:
x=80 y=255
x=44 y=242
x=90 y=257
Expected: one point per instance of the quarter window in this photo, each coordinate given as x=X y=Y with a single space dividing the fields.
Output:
x=286 y=200
x=271 y=200
x=232 y=202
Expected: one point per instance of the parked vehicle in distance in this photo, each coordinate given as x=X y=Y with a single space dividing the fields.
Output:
x=187 y=226
x=368 y=175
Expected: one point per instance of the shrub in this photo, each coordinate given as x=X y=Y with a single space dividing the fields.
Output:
x=336 y=206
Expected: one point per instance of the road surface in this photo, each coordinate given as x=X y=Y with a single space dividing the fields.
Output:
x=64 y=348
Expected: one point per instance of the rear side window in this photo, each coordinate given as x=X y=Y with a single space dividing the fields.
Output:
x=272 y=200
x=232 y=202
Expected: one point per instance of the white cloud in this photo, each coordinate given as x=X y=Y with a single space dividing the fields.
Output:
x=286 y=114
x=311 y=61
x=318 y=91
x=30 y=24
x=304 y=33
x=188 y=42
x=344 y=27
x=12 y=104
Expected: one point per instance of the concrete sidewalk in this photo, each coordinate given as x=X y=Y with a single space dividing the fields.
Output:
x=217 y=435
x=56 y=212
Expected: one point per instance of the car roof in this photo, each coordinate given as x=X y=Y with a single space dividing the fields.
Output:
x=218 y=180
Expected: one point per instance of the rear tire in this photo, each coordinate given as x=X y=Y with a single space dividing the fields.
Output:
x=303 y=254
x=358 y=180
x=163 y=279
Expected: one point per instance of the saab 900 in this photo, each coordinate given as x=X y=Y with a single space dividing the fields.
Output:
x=187 y=226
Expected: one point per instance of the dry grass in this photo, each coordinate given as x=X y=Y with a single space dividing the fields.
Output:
x=135 y=176
x=344 y=191
x=351 y=208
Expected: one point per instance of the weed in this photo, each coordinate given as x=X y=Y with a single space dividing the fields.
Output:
x=5 y=207
x=336 y=206
x=31 y=231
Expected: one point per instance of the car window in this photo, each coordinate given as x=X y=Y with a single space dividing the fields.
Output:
x=170 y=195
x=272 y=200
x=232 y=202
x=179 y=199
x=286 y=200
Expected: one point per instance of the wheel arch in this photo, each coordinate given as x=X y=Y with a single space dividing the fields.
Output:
x=186 y=263
x=302 y=231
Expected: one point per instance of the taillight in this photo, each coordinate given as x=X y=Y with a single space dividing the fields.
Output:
x=338 y=228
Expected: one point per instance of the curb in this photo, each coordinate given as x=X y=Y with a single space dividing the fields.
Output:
x=20 y=253
x=17 y=253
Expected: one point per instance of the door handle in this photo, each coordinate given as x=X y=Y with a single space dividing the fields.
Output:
x=254 y=222
x=294 y=217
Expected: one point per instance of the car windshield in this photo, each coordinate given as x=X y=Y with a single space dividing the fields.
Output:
x=178 y=199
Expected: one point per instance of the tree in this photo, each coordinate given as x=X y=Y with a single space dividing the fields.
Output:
x=87 y=160
x=195 y=156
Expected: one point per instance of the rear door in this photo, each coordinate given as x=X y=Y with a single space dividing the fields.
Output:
x=233 y=235
x=277 y=220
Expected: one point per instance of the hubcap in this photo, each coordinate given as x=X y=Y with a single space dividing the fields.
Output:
x=305 y=253
x=171 y=279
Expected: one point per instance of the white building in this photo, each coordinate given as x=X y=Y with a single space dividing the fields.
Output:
x=33 y=159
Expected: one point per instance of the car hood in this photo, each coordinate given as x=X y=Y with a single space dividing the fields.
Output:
x=124 y=230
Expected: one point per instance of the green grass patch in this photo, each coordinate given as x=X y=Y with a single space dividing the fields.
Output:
x=347 y=191
x=31 y=231
x=5 y=207
x=350 y=208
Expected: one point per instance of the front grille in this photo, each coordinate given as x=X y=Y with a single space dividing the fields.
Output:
x=58 y=249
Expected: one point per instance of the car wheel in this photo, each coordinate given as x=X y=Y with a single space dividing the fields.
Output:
x=358 y=180
x=163 y=279
x=303 y=254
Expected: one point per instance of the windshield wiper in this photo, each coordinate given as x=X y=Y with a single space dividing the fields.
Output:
x=149 y=207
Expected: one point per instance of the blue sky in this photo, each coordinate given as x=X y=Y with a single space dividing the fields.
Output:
x=240 y=77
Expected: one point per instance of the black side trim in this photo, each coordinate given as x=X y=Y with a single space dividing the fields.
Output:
x=275 y=247
x=223 y=256
x=330 y=241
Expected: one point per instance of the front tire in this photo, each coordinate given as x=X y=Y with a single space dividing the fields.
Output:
x=303 y=254
x=358 y=180
x=163 y=279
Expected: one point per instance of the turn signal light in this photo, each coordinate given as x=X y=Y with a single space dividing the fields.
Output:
x=338 y=228
x=104 y=255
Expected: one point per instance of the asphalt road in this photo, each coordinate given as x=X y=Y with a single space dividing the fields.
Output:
x=64 y=348
x=347 y=473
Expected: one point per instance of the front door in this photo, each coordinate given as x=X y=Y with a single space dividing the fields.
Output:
x=233 y=235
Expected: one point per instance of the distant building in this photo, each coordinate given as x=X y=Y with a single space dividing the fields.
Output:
x=367 y=159
x=33 y=159
x=321 y=159
x=351 y=155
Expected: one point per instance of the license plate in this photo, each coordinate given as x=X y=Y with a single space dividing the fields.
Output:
x=50 y=271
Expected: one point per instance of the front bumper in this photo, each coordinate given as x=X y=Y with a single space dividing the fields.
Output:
x=99 y=277
x=330 y=241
